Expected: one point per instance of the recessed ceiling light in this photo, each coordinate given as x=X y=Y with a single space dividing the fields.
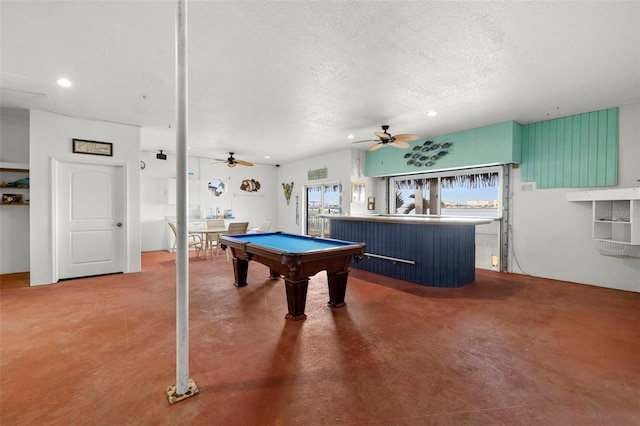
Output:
x=350 y=137
x=432 y=113
x=267 y=156
x=64 y=82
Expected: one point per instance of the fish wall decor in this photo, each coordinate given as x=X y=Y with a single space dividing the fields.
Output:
x=250 y=185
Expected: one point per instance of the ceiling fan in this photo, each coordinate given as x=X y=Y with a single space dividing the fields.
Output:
x=397 y=141
x=232 y=161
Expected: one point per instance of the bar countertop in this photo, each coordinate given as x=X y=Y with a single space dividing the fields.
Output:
x=412 y=219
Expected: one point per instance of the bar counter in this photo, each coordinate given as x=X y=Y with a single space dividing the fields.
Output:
x=436 y=251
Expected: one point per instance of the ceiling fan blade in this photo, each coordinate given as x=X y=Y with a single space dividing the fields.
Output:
x=243 y=163
x=367 y=140
x=399 y=144
x=376 y=146
x=384 y=136
x=406 y=137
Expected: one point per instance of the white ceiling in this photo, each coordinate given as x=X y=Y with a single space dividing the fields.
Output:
x=293 y=79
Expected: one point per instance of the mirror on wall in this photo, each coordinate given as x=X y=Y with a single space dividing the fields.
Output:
x=217 y=187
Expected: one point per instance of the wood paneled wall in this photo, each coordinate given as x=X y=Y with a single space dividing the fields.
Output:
x=444 y=255
x=572 y=152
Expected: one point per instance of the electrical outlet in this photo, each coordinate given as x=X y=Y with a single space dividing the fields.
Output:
x=528 y=186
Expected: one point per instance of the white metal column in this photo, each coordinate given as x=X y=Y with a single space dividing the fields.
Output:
x=185 y=387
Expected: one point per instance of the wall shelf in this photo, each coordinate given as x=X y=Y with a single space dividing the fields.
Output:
x=616 y=214
x=605 y=194
x=13 y=167
x=11 y=172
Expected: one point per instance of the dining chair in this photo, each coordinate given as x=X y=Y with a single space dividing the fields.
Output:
x=265 y=226
x=235 y=228
x=194 y=241
x=212 y=239
x=215 y=223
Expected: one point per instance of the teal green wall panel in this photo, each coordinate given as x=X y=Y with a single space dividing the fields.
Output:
x=611 y=178
x=516 y=142
x=495 y=144
x=572 y=152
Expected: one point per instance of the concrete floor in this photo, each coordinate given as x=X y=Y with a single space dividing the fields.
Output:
x=505 y=350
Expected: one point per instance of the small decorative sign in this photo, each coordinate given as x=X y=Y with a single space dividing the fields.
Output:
x=81 y=146
x=317 y=174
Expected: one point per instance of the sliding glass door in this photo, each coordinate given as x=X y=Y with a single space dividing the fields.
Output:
x=325 y=199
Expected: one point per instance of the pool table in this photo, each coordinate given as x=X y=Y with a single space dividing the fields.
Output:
x=297 y=257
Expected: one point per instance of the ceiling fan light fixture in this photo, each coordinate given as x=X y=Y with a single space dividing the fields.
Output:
x=232 y=162
x=385 y=138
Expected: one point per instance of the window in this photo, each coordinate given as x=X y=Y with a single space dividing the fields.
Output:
x=456 y=193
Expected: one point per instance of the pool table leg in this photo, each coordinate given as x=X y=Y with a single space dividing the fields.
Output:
x=296 y=298
x=273 y=274
x=337 y=288
x=240 y=267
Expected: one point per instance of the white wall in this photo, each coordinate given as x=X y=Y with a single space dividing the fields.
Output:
x=14 y=220
x=50 y=137
x=344 y=167
x=155 y=207
x=14 y=135
x=252 y=207
x=375 y=187
x=551 y=237
x=154 y=200
x=339 y=170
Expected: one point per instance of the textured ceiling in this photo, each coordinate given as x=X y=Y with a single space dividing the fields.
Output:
x=293 y=79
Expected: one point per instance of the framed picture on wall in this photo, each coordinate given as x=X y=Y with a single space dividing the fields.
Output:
x=81 y=146
x=358 y=192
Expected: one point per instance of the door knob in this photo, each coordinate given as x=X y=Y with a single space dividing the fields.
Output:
x=119 y=224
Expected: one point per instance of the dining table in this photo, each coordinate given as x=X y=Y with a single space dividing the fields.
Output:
x=209 y=235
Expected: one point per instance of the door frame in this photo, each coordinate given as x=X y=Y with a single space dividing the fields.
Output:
x=55 y=201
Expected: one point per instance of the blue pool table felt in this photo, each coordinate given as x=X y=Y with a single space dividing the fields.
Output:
x=290 y=243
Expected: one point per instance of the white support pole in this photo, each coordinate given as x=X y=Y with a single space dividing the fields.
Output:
x=182 y=270
x=185 y=387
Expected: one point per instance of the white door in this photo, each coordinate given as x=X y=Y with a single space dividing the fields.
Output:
x=91 y=228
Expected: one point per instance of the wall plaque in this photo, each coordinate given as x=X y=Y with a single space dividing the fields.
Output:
x=81 y=146
x=317 y=174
